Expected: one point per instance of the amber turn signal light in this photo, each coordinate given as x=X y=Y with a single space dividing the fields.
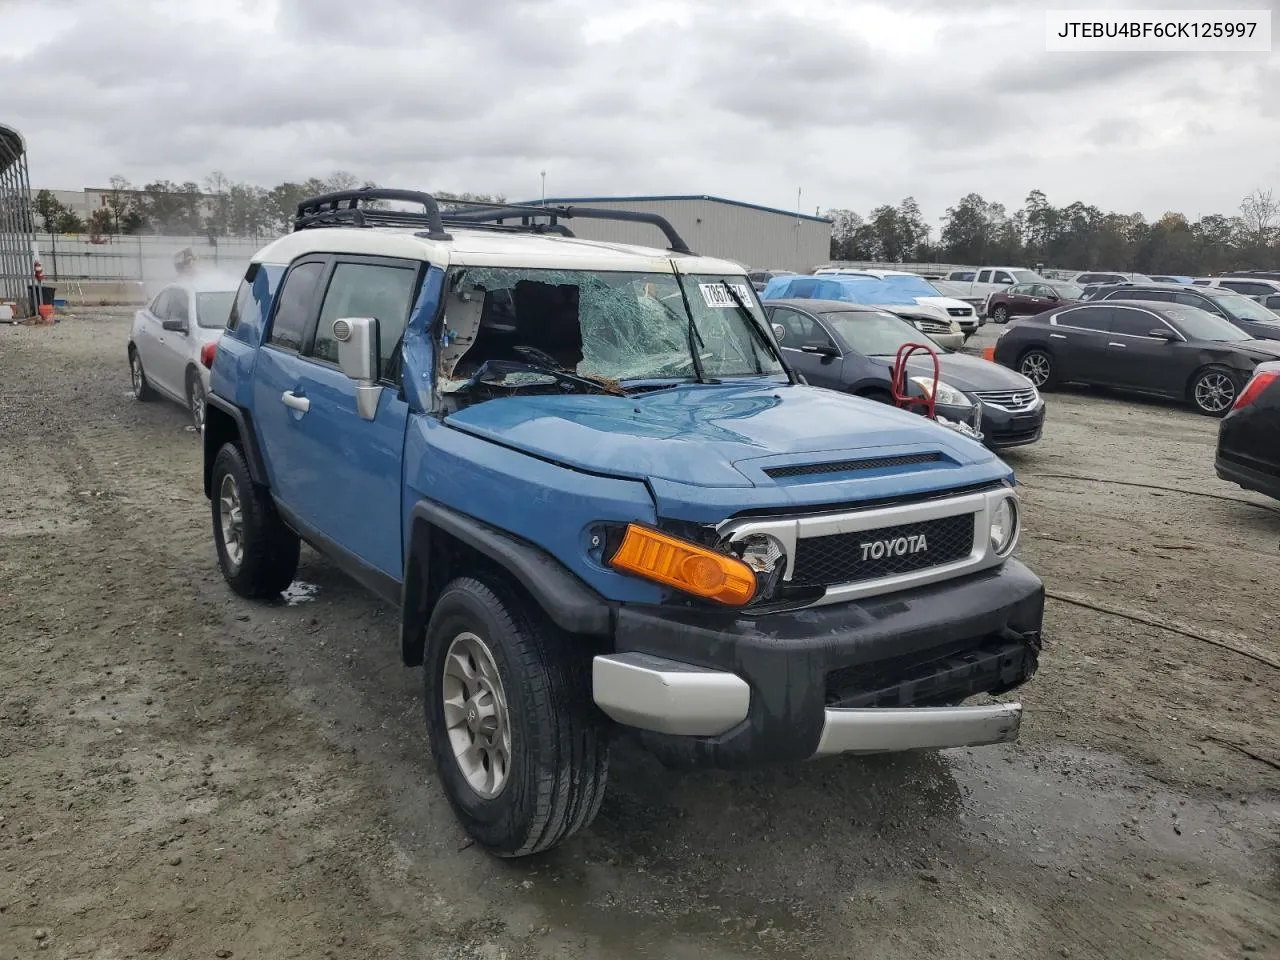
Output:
x=685 y=566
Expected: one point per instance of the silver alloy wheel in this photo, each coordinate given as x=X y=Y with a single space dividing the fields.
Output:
x=232 y=519
x=1215 y=392
x=135 y=373
x=1000 y=315
x=1036 y=367
x=475 y=715
x=197 y=403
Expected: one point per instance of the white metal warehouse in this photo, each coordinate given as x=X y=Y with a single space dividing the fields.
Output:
x=755 y=236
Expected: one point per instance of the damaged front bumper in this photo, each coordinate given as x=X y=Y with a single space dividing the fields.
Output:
x=870 y=676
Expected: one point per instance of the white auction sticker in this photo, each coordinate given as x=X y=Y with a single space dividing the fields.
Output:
x=715 y=295
x=1227 y=31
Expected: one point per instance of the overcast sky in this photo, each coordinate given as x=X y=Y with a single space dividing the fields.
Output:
x=747 y=99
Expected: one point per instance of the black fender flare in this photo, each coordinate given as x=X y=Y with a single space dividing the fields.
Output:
x=568 y=602
x=215 y=438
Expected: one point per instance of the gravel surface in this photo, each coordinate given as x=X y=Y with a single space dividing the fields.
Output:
x=186 y=774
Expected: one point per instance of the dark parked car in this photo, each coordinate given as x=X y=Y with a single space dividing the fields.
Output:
x=1028 y=299
x=1249 y=315
x=852 y=347
x=1249 y=438
x=1165 y=349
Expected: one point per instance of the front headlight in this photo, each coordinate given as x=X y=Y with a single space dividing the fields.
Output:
x=1004 y=527
x=761 y=552
x=766 y=555
x=946 y=394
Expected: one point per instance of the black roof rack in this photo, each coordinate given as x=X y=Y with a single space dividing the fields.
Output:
x=343 y=208
x=492 y=212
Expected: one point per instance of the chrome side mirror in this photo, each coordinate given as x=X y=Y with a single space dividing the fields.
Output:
x=358 y=353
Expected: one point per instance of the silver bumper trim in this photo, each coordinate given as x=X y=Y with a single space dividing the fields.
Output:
x=890 y=729
x=652 y=693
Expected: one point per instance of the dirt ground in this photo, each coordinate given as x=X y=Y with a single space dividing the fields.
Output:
x=185 y=774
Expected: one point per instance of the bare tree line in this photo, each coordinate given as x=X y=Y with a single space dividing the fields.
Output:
x=217 y=207
x=1081 y=236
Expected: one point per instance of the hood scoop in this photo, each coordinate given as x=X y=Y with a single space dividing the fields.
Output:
x=792 y=471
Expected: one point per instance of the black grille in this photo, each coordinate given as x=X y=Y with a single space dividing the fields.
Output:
x=838 y=558
x=960 y=311
x=936 y=676
x=850 y=466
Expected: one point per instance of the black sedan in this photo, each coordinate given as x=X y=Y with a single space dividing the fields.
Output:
x=851 y=347
x=1250 y=316
x=1249 y=438
x=1163 y=349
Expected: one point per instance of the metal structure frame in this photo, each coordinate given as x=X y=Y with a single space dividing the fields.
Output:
x=17 y=228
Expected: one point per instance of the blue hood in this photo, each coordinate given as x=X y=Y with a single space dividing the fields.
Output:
x=728 y=435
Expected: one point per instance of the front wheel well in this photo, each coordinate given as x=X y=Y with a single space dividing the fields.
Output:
x=1205 y=368
x=1034 y=348
x=879 y=394
x=445 y=545
x=436 y=559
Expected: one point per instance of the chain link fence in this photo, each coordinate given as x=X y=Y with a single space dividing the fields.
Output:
x=145 y=259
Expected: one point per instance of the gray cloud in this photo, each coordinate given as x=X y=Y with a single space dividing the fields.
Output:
x=752 y=99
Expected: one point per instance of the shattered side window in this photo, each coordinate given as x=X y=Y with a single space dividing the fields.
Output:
x=611 y=326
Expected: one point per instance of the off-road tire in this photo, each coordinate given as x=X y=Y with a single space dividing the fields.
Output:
x=1200 y=400
x=1051 y=380
x=270 y=550
x=142 y=389
x=195 y=390
x=559 y=740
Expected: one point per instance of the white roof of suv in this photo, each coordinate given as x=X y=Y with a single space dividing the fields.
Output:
x=489 y=249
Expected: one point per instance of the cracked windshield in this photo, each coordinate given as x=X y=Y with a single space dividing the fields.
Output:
x=522 y=326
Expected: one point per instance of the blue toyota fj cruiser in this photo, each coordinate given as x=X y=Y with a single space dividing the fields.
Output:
x=600 y=500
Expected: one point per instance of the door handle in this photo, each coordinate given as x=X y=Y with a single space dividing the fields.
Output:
x=1057 y=336
x=295 y=402
x=1120 y=345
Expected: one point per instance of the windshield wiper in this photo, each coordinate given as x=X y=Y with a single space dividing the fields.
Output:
x=538 y=361
x=750 y=317
x=693 y=335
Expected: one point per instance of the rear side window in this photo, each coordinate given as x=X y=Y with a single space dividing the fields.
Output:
x=984 y=276
x=1159 y=296
x=1204 y=303
x=1247 y=288
x=1086 y=318
x=241 y=305
x=295 y=305
x=366 y=290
